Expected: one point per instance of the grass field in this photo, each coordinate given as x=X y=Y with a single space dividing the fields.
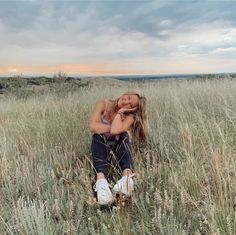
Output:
x=186 y=182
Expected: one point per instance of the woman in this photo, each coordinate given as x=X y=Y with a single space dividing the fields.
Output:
x=116 y=120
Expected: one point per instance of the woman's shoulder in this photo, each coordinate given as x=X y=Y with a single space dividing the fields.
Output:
x=104 y=104
x=100 y=105
x=108 y=104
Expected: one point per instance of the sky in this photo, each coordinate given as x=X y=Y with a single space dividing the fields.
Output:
x=104 y=37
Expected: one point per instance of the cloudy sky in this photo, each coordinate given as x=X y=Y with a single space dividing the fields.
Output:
x=117 y=37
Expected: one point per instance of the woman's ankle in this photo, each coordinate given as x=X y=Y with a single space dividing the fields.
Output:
x=100 y=175
x=127 y=172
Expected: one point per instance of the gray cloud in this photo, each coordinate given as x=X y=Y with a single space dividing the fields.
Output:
x=139 y=16
x=17 y=15
x=74 y=31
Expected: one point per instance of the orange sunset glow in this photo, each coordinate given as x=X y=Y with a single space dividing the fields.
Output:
x=128 y=67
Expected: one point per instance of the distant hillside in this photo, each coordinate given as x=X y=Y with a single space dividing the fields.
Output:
x=27 y=86
x=62 y=84
x=175 y=76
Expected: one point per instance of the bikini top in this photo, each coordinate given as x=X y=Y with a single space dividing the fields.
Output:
x=103 y=119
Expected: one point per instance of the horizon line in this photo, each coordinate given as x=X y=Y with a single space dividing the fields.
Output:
x=106 y=75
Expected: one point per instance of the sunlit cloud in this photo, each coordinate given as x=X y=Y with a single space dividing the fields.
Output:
x=12 y=70
x=224 y=50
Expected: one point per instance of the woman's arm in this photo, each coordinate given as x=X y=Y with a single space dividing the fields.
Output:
x=94 y=123
x=121 y=124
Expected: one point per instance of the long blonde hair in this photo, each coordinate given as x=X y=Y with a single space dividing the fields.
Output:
x=139 y=128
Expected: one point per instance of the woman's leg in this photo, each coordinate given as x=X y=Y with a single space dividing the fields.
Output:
x=123 y=154
x=99 y=155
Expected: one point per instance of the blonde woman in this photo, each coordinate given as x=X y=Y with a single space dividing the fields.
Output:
x=117 y=121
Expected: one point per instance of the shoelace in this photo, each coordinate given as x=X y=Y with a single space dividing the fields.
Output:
x=126 y=183
x=103 y=187
x=132 y=175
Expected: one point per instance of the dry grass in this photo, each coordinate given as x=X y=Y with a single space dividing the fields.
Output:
x=186 y=175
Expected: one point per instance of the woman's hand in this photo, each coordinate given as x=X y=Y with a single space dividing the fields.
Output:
x=121 y=122
x=127 y=110
x=124 y=111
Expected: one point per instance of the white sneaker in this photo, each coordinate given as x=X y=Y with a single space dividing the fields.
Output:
x=104 y=194
x=125 y=185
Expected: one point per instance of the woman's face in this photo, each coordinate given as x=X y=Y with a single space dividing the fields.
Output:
x=128 y=101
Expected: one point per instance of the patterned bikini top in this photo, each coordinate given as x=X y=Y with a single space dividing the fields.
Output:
x=103 y=119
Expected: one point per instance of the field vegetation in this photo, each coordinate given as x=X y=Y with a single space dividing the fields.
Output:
x=186 y=175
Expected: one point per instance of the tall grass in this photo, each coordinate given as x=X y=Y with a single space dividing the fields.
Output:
x=186 y=174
